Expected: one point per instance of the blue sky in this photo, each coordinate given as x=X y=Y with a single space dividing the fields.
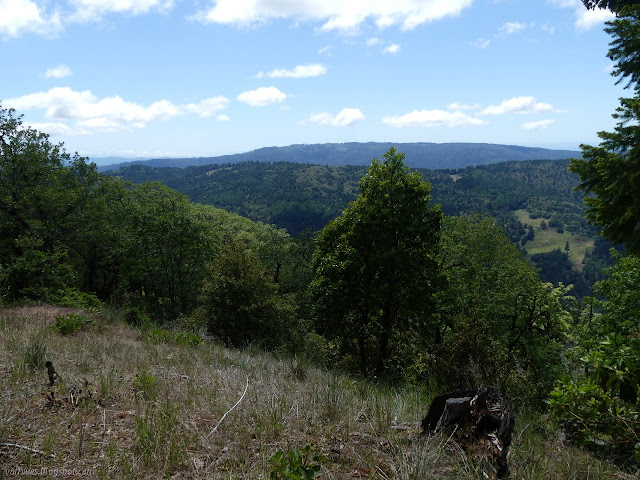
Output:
x=210 y=77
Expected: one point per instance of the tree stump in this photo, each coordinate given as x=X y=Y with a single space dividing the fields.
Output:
x=484 y=420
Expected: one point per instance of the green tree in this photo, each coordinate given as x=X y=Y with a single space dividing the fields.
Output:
x=603 y=403
x=239 y=302
x=498 y=323
x=167 y=250
x=44 y=193
x=376 y=267
x=613 y=5
x=611 y=171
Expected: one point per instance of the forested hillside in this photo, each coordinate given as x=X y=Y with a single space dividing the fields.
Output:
x=534 y=201
x=419 y=155
x=392 y=289
x=297 y=196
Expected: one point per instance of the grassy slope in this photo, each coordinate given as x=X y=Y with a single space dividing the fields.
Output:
x=153 y=407
x=549 y=239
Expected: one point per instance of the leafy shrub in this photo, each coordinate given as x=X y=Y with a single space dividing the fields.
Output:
x=186 y=338
x=160 y=335
x=602 y=405
x=239 y=302
x=71 y=323
x=297 y=464
x=134 y=317
x=72 y=297
x=145 y=385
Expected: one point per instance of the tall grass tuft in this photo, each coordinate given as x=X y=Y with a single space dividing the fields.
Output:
x=159 y=439
x=34 y=353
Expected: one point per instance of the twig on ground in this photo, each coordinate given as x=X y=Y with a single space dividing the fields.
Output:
x=52 y=455
x=228 y=411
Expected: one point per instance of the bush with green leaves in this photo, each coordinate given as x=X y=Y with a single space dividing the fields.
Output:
x=134 y=317
x=70 y=323
x=602 y=405
x=297 y=464
x=498 y=324
x=240 y=303
x=145 y=385
x=161 y=335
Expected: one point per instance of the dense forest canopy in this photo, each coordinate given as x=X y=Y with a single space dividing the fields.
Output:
x=534 y=202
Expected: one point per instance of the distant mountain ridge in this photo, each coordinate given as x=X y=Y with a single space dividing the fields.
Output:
x=418 y=155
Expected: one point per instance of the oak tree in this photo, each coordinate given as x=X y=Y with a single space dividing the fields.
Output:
x=376 y=268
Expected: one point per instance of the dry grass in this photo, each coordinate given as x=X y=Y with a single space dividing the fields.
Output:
x=129 y=408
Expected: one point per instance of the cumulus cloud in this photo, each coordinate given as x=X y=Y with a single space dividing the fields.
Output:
x=20 y=16
x=336 y=14
x=432 y=118
x=392 y=49
x=223 y=118
x=463 y=106
x=90 y=113
x=518 y=105
x=585 y=19
x=300 y=71
x=57 y=128
x=346 y=117
x=93 y=10
x=262 y=97
x=61 y=71
x=372 y=41
x=538 y=124
x=512 y=27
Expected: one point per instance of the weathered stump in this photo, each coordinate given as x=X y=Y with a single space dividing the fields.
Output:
x=484 y=419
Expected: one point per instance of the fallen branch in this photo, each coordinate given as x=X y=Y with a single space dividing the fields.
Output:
x=229 y=411
x=52 y=455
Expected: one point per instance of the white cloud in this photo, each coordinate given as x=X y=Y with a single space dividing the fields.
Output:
x=432 y=118
x=392 y=49
x=346 y=117
x=94 y=10
x=57 y=128
x=463 y=106
x=336 y=14
x=300 y=71
x=205 y=108
x=20 y=16
x=326 y=49
x=518 y=105
x=372 y=41
x=512 y=27
x=61 y=71
x=538 y=124
x=262 y=96
x=223 y=118
x=585 y=19
x=481 y=43
x=63 y=104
